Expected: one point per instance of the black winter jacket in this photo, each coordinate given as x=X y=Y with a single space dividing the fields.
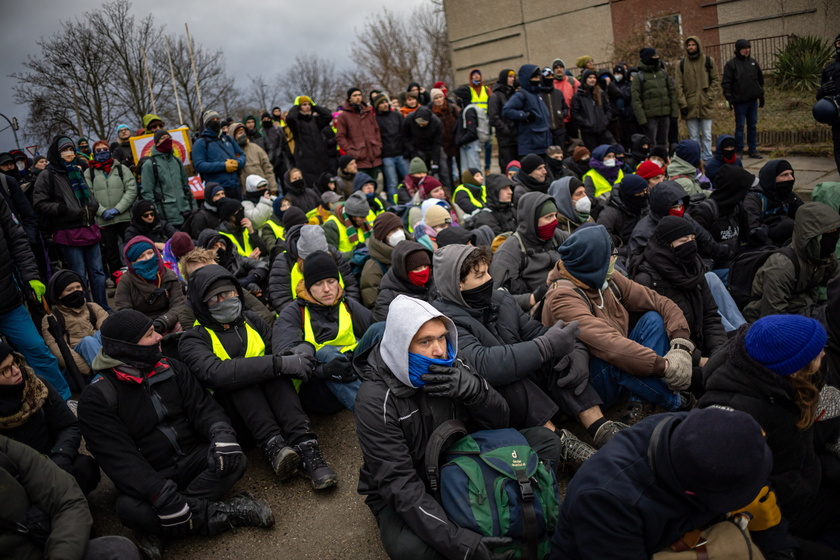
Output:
x=311 y=149
x=19 y=205
x=280 y=289
x=498 y=216
x=588 y=115
x=423 y=142
x=507 y=131
x=390 y=130
x=55 y=201
x=620 y=222
x=742 y=80
x=16 y=260
x=288 y=328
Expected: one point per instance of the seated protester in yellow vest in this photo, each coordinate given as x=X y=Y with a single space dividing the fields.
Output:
x=250 y=273
x=410 y=275
x=436 y=218
x=287 y=268
x=238 y=229
x=349 y=225
x=388 y=230
x=78 y=321
x=471 y=194
x=501 y=215
x=604 y=171
x=685 y=168
x=230 y=352
x=321 y=213
x=257 y=200
x=291 y=217
x=32 y=412
x=149 y=287
x=146 y=222
x=273 y=230
x=321 y=317
x=162 y=440
x=573 y=204
x=298 y=192
x=366 y=184
x=533 y=176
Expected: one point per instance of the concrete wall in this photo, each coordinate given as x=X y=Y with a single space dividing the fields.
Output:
x=629 y=15
x=823 y=18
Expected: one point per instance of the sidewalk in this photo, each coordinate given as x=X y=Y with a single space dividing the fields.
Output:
x=809 y=171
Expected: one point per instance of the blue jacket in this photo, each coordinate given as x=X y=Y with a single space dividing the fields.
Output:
x=209 y=154
x=713 y=165
x=534 y=137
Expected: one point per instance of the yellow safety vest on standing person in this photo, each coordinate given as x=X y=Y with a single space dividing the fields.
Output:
x=345 y=339
x=479 y=99
x=246 y=237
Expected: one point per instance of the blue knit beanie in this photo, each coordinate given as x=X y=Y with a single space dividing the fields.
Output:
x=785 y=343
x=133 y=253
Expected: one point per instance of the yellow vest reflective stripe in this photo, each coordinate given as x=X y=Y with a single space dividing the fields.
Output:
x=279 y=231
x=475 y=202
x=376 y=207
x=246 y=237
x=297 y=276
x=344 y=244
x=601 y=184
x=345 y=339
x=479 y=99
x=254 y=348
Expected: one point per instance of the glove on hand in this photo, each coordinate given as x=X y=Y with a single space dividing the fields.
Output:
x=231 y=165
x=175 y=517
x=764 y=512
x=339 y=370
x=224 y=454
x=110 y=214
x=39 y=289
x=678 y=374
x=684 y=112
x=829 y=406
x=558 y=341
x=160 y=324
x=761 y=102
x=577 y=371
x=63 y=461
x=295 y=365
x=827 y=88
x=452 y=382
x=530 y=117
x=484 y=549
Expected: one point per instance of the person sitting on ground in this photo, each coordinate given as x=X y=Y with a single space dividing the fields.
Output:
x=651 y=361
x=410 y=275
x=347 y=169
x=165 y=444
x=724 y=155
x=651 y=172
x=771 y=206
x=605 y=171
x=174 y=249
x=627 y=204
x=388 y=231
x=432 y=192
x=257 y=200
x=573 y=205
x=207 y=216
x=321 y=213
x=555 y=165
x=685 y=167
x=663 y=478
x=415 y=368
x=578 y=162
x=78 y=324
x=522 y=263
x=298 y=192
x=532 y=176
x=349 y=226
x=250 y=273
x=639 y=150
x=471 y=194
x=417 y=177
x=230 y=351
x=273 y=232
x=321 y=318
x=500 y=215
x=32 y=412
x=149 y=287
x=436 y=218
x=239 y=230
x=660 y=156
x=145 y=221
x=366 y=184
x=784 y=286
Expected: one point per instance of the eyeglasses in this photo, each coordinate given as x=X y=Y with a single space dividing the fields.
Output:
x=148 y=215
x=154 y=127
x=100 y=150
x=221 y=297
x=9 y=371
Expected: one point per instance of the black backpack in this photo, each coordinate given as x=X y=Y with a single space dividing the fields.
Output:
x=744 y=268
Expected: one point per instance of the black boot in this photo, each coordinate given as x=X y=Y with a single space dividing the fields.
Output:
x=281 y=457
x=151 y=546
x=243 y=510
x=312 y=464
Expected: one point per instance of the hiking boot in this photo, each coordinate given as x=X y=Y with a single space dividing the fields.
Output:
x=151 y=546
x=243 y=510
x=829 y=406
x=633 y=412
x=687 y=401
x=756 y=155
x=312 y=464
x=572 y=450
x=73 y=405
x=281 y=457
x=606 y=432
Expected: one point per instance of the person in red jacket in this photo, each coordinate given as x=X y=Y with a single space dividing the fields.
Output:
x=357 y=132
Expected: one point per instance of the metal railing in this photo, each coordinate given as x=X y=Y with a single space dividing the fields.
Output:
x=763 y=50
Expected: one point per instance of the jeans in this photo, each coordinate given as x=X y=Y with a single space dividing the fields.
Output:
x=657 y=130
x=471 y=155
x=729 y=313
x=395 y=168
x=611 y=383
x=748 y=111
x=344 y=392
x=447 y=165
x=700 y=130
x=87 y=263
x=488 y=154
x=89 y=347
x=17 y=326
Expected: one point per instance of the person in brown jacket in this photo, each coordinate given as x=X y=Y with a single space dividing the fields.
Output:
x=651 y=362
x=256 y=159
x=357 y=133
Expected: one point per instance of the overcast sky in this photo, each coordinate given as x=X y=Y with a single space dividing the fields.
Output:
x=257 y=36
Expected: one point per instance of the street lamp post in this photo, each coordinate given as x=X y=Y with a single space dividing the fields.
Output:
x=14 y=126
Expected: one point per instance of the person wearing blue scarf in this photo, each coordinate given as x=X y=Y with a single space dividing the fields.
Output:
x=418 y=364
x=144 y=260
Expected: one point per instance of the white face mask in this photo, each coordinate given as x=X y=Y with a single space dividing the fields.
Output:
x=609 y=162
x=583 y=205
x=618 y=78
x=396 y=237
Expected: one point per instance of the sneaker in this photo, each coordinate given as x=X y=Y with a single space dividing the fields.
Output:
x=151 y=546
x=312 y=464
x=281 y=457
x=572 y=450
x=606 y=432
x=756 y=155
x=73 y=405
x=687 y=401
x=829 y=406
x=633 y=412
x=243 y=510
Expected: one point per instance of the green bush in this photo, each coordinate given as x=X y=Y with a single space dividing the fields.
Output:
x=800 y=63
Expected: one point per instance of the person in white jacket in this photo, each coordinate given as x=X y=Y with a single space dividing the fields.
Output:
x=257 y=201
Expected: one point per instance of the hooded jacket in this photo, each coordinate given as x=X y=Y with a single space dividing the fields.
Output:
x=743 y=80
x=711 y=167
x=765 y=210
x=773 y=289
x=638 y=153
x=684 y=173
x=522 y=263
x=653 y=94
x=525 y=184
x=619 y=221
x=374 y=269
x=394 y=421
x=311 y=150
x=301 y=196
x=16 y=259
x=498 y=216
x=422 y=141
x=589 y=116
x=159 y=231
x=54 y=200
x=723 y=215
x=240 y=266
x=395 y=281
x=257 y=207
x=506 y=130
x=697 y=81
x=357 y=132
x=535 y=136
x=163 y=298
x=604 y=319
x=207 y=216
x=209 y=154
x=256 y=161
x=566 y=213
x=112 y=190
x=168 y=188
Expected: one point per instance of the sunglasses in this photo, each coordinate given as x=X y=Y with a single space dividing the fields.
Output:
x=155 y=127
x=148 y=215
x=100 y=150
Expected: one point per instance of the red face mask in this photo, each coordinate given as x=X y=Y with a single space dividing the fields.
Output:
x=677 y=212
x=420 y=278
x=165 y=146
x=547 y=231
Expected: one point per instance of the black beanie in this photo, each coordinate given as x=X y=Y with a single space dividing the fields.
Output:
x=5 y=350
x=126 y=325
x=59 y=282
x=293 y=217
x=159 y=134
x=454 y=236
x=227 y=207
x=530 y=162
x=351 y=91
x=782 y=166
x=344 y=161
x=318 y=266
x=660 y=152
x=574 y=184
x=670 y=228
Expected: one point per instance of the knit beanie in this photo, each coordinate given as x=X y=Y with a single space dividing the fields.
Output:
x=557 y=62
x=548 y=207
x=689 y=151
x=126 y=325
x=227 y=207
x=59 y=282
x=318 y=266
x=646 y=54
x=344 y=161
x=429 y=184
x=574 y=184
x=210 y=190
x=436 y=216
x=580 y=152
x=207 y=115
x=181 y=244
x=660 y=152
x=311 y=239
x=785 y=343
x=293 y=216
x=159 y=133
x=419 y=258
x=64 y=143
x=530 y=163
x=351 y=91
x=434 y=93
x=671 y=228
x=385 y=223
x=633 y=184
x=379 y=99
x=455 y=236
x=513 y=165
x=357 y=205
x=361 y=179
x=648 y=170
x=416 y=166
x=582 y=60
x=133 y=253
x=5 y=350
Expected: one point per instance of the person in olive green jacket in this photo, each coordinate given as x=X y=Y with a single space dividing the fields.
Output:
x=698 y=86
x=654 y=97
x=163 y=180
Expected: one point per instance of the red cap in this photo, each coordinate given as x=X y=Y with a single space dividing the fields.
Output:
x=649 y=170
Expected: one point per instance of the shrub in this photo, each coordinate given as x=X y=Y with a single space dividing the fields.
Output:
x=800 y=63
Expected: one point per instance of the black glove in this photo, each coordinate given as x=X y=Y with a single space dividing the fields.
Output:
x=539 y=293
x=175 y=517
x=558 y=341
x=339 y=370
x=828 y=88
x=530 y=117
x=575 y=370
x=483 y=550
x=761 y=102
x=295 y=365
x=452 y=382
x=684 y=112
x=161 y=324
x=224 y=454
x=63 y=461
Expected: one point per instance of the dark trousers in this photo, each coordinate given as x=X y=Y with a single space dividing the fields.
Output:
x=558 y=138
x=529 y=405
x=112 y=239
x=594 y=139
x=657 y=130
x=111 y=548
x=272 y=408
x=835 y=137
x=746 y=113
x=506 y=155
x=86 y=472
x=194 y=480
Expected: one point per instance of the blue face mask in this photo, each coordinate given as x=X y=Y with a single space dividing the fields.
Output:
x=418 y=365
x=102 y=157
x=370 y=195
x=148 y=269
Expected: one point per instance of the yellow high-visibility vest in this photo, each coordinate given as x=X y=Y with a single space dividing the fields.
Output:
x=345 y=339
x=254 y=347
x=246 y=237
x=475 y=202
x=601 y=184
x=297 y=276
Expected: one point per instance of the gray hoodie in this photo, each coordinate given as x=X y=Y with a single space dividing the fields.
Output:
x=405 y=317
x=447 y=270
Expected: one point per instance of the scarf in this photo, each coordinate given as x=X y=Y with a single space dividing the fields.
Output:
x=33 y=397
x=683 y=276
x=352 y=231
x=104 y=166
x=608 y=173
x=77 y=181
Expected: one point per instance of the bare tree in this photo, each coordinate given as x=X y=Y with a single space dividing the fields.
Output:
x=661 y=32
x=315 y=77
x=261 y=94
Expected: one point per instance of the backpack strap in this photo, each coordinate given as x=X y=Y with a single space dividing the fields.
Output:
x=654 y=443
x=529 y=516
x=440 y=439
x=108 y=390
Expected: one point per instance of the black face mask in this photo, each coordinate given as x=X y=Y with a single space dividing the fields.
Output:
x=686 y=252
x=634 y=203
x=73 y=300
x=238 y=217
x=828 y=244
x=298 y=185
x=728 y=153
x=267 y=124
x=215 y=126
x=480 y=296
x=134 y=355
x=784 y=188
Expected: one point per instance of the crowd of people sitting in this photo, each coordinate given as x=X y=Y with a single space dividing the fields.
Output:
x=675 y=311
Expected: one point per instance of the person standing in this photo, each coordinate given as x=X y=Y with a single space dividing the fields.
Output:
x=357 y=132
x=697 y=87
x=480 y=95
x=569 y=86
x=306 y=120
x=163 y=180
x=507 y=134
x=394 y=165
x=654 y=98
x=829 y=84
x=217 y=158
x=743 y=88
x=527 y=108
